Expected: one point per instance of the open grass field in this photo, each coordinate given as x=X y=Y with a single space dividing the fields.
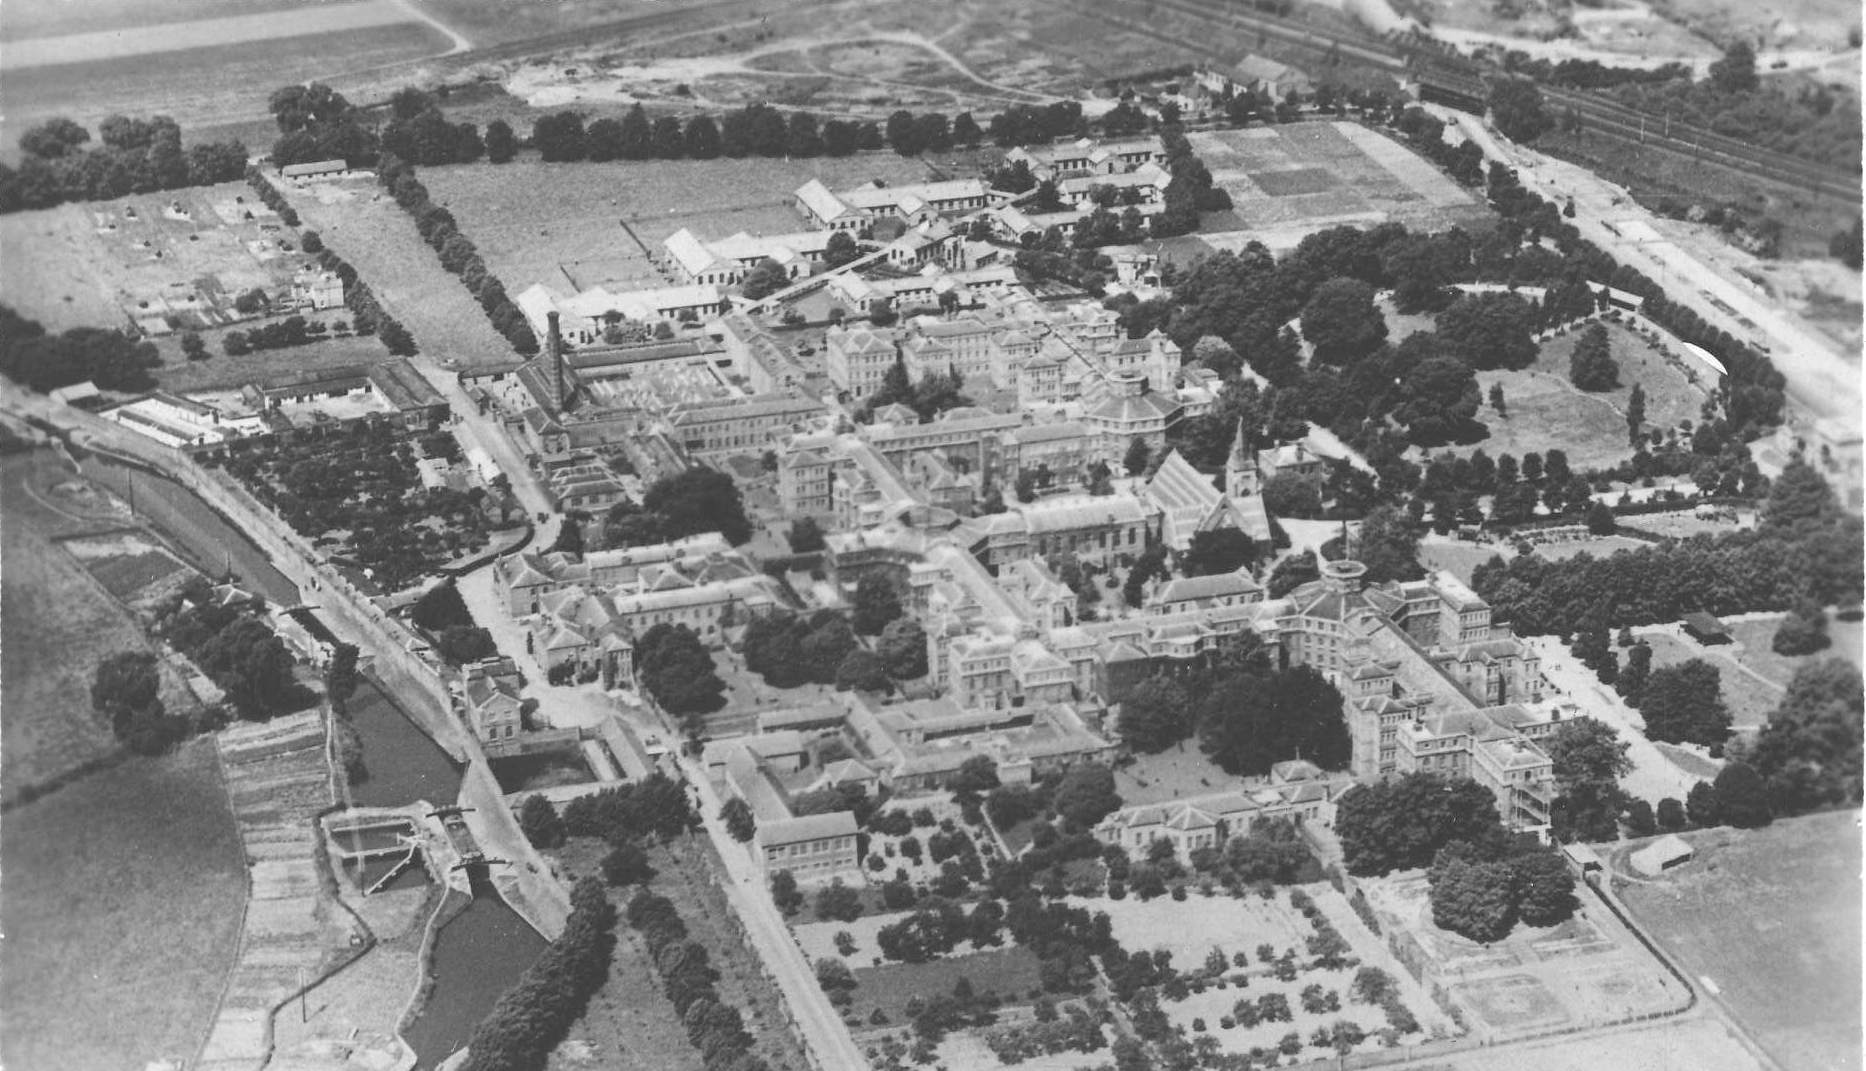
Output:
x=1750 y=701
x=1009 y=972
x=1754 y=637
x=122 y=913
x=569 y=225
x=221 y=372
x=1772 y=917
x=1671 y=394
x=1234 y=924
x=1179 y=771
x=1547 y=412
x=112 y=44
x=100 y=263
x=1459 y=557
x=379 y=239
x=1285 y=181
x=56 y=624
x=29 y=19
x=207 y=86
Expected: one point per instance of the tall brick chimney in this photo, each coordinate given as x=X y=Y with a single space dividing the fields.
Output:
x=554 y=354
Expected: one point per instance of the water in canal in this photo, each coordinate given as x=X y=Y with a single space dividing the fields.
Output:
x=202 y=535
x=477 y=957
x=404 y=763
x=483 y=950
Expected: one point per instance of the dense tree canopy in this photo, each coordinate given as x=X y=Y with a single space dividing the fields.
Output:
x=1488 y=330
x=1342 y=322
x=1683 y=703
x=698 y=500
x=1809 y=752
x=677 y=669
x=1402 y=824
x=1516 y=107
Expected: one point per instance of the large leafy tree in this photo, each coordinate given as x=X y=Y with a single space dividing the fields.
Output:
x=1388 y=546
x=1489 y=330
x=1591 y=366
x=1220 y=550
x=876 y=603
x=1684 y=704
x=1742 y=798
x=1086 y=795
x=698 y=500
x=1401 y=824
x=539 y=820
x=1474 y=899
x=903 y=649
x=1256 y=716
x=1156 y=715
x=1516 y=107
x=1342 y=322
x=677 y=669
x=1802 y=631
x=1809 y=752
x=1586 y=750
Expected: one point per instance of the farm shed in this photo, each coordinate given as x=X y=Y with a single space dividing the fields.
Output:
x=1705 y=629
x=1583 y=858
x=1662 y=855
x=314 y=170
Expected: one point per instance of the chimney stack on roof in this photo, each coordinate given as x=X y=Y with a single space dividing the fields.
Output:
x=554 y=354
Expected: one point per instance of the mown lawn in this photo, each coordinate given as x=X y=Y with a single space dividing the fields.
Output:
x=1011 y=973
x=1772 y=917
x=122 y=907
x=221 y=372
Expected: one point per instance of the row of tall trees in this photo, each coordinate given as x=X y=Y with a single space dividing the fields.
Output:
x=457 y=253
x=135 y=156
x=716 y=1029
x=368 y=315
x=535 y=1015
x=1806 y=548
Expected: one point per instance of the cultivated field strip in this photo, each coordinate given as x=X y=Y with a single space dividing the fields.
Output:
x=277 y=780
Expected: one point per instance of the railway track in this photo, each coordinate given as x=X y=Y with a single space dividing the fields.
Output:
x=1600 y=116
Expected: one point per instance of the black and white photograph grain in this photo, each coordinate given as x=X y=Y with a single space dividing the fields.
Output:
x=931 y=535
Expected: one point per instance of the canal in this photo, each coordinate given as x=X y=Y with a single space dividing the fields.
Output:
x=477 y=957
x=478 y=954
x=201 y=535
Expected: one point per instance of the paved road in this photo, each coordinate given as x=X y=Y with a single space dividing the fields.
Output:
x=823 y=1030
x=1654 y=776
